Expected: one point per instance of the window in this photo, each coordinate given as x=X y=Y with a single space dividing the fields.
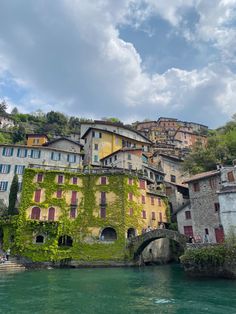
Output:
x=103 y=198
x=96 y=134
x=73 y=213
x=39 y=177
x=35 y=153
x=59 y=193
x=39 y=239
x=230 y=176
x=3 y=186
x=60 y=179
x=152 y=200
x=173 y=178
x=130 y=181
x=188 y=214
x=36 y=141
x=22 y=153
x=71 y=158
x=51 y=214
x=95 y=158
x=5 y=168
x=55 y=156
x=196 y=187
x=129 y=156
x=130 y=196
x=7 y=151
x=131 y=211
x=103 y=212
x=206 y=231
x=74 y=199
x=217 y=207
x=153 y=216
x=74 y=180
x=19 y=186
x=159 y=201
x=95 y=146
x=212 y=182
x=142 y=184
x=188 y=231
x=129 y=166
x=19 y=169
x=144 y=214
x=103 y=180
x=35 y=213
x=37 y=196
x=160 y=217
x=168 y=191
x=143 y=199
x=115 y=157
x=151 y=175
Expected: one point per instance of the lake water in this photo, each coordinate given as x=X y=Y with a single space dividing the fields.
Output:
x=159 y=289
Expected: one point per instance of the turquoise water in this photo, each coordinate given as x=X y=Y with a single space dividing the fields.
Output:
x=159 y=289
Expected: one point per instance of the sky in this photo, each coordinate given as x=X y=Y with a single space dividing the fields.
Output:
x=130 y=59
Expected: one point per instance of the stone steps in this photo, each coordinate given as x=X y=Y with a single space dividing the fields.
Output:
x=11 y=266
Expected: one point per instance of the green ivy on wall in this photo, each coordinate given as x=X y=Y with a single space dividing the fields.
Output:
x=117 y=217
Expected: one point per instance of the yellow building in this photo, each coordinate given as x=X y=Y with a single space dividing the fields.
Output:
x=91 y=214
x=36 y=139
x=103 y=139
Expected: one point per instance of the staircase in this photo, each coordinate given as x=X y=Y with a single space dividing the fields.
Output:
x=11 y=266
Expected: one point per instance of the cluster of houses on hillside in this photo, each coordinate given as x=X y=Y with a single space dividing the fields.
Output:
x=203 y=205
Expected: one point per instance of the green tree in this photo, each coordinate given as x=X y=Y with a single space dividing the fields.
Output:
x=19 y=135
x=13 y=196
x=3 y=106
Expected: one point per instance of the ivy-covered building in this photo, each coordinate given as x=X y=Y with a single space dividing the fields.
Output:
x=83 y=216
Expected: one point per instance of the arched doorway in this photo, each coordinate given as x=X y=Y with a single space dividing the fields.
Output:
x=131 y=232
x=35 y=213
x=65 y=241
x=51 y=214
x=39 y=239
x=109 y=234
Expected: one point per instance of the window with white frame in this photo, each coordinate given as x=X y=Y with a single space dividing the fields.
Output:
x=5 y=168
x=35 y=153
x=22 y=152
x=55 y=156
x=71 y=158
x=7 y=151
x=19 y=169
x=3 y=185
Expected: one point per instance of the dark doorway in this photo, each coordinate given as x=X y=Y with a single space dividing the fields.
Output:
x=65 y=241
x=39 y=239
x=109 y=234
x=131 y=233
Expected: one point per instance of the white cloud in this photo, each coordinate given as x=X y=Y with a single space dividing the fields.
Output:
x=72 y=54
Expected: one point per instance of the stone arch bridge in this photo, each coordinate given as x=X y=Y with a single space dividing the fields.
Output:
x=137 y=244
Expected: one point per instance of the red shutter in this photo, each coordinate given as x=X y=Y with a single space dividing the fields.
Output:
x=153 y=216
x=74 y=198
x=59 y=193
x=130 y=181
x=103 y=212
x=142 y=184
x=159 y=201
x=219 y=233
x=40 y=177
x=103 y=198
x=74 y=180
x=152 y=200
x=103 y=180
x=51 y=214
x=37 y=195
x=143 y=199
x=144 y=214
x=130 y=196
x=188 y=231
x=60 y=179
x=131 y=211
x=73 y=213
x=160 y=217
x=35 y=213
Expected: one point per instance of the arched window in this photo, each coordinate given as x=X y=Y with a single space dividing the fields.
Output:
x=131 y=233
x=35 y=213
x=65 y=240
x=109 y=234
x=39 y=239
x=51 y=214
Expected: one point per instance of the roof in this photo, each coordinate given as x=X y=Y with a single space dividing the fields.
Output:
x=227 y=189
x=203 y=175
x=62 y=139
x=181 y=207
x=171 y=157
x=107 y=131
x=36 y=135
x=125 y=149
x=177 y=184
x=181 y=130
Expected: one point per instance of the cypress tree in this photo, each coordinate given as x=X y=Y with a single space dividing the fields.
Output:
x=13 y=196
